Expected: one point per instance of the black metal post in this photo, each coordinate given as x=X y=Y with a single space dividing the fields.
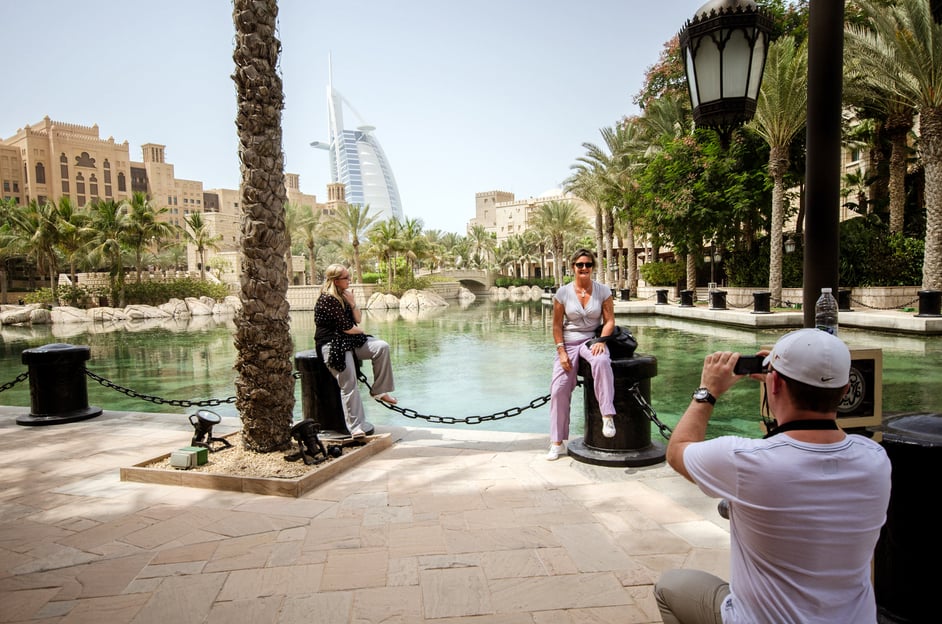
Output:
x=822 y=170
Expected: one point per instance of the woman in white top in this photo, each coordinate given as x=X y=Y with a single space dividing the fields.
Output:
x=579 y=308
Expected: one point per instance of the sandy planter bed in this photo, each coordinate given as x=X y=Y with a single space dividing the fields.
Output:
x=237 y=470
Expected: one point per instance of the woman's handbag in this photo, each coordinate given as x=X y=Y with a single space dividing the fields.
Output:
x=621 y=344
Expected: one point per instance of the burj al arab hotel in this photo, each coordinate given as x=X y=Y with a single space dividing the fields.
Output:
x=357 y=160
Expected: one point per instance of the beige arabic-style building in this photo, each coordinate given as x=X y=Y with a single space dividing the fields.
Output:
x=500 y=213
x=50 y=159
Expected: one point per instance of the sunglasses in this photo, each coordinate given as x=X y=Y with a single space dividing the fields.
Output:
x=583 y=265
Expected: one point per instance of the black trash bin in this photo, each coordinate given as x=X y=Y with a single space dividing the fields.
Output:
x=320 y=396
x=905 y=574
x=58 y=393
x=632 y=445
x=686 y=298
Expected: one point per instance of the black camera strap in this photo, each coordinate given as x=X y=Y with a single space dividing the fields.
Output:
x=798 y=425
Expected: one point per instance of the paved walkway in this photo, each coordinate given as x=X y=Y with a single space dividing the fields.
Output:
x=452 y=526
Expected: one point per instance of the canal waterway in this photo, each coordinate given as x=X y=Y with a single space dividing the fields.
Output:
x=458 y=362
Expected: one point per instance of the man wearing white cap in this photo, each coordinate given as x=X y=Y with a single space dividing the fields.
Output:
x=806 y=502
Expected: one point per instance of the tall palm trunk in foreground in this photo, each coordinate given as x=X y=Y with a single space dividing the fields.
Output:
x=265 y=385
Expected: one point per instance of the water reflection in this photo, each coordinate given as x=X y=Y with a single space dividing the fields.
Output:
x=479 y=360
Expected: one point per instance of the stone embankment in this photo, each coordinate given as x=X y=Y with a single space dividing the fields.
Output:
x=38 y=314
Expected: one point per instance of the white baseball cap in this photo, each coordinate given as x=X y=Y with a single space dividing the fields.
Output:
x=811 y=356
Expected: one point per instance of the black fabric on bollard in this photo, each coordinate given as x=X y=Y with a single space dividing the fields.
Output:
x=320 y=396
x=717 y=299
x=632 y=445
x=908 y=552
x=761 y=302
x=930 y=303
x=686 y=298
x=57 y=390
x=661 y=296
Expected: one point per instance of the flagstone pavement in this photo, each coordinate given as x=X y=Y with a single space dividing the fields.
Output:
x=448 y=525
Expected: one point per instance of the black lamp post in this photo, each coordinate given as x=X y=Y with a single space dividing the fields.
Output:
x=724 y=48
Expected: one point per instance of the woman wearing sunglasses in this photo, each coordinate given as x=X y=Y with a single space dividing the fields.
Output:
x=579 y=308
x=338 y=337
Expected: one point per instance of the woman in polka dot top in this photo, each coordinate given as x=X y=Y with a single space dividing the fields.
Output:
x=338 y=338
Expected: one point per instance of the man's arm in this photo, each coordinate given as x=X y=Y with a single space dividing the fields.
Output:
x=717 y=377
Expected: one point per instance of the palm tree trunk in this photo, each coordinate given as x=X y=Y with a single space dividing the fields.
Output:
x=897 y=183
x=930 y=147
x=265 y=383
x=778 y=164
x=632 y=269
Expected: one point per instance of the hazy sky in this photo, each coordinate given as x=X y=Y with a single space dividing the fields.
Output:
x=466 y=96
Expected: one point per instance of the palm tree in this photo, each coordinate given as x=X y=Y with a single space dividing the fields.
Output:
x=265 y=383
x=313 y=228
x=36 y=233
x=145 y=228
x=294 y=215
x=896 y=53
x=587 y=182
x=384 y=242
x=353 y=221
x=482 y=244
x=781 y=111
x=110 y=223
x=557 y=220
x=197 y=232
x=412 y=243
x=74 y=233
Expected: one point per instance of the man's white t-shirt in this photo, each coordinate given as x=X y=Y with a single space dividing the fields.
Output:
x=804 y=520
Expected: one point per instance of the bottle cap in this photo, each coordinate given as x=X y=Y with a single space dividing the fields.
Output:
x=825 y=290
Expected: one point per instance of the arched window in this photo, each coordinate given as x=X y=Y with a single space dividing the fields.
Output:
x=40 y=173
x=79 y=183
x=122 y=183
x=64 y=167
x=93 y=185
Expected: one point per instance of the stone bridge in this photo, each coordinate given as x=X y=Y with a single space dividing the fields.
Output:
x=477 y=281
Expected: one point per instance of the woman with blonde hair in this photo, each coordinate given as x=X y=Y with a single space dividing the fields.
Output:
x=338 y=338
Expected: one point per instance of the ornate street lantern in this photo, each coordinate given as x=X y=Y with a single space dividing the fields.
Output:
x=724 y=48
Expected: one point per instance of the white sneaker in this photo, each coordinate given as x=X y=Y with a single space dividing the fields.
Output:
x=608 y=426
x=554 y=451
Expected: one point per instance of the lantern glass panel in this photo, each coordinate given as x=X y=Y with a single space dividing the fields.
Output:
x=736 y=63
x=758 y=63
x=692 y=80
x=708 y=70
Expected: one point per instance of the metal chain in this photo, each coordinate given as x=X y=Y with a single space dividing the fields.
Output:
x=18 y=379
x=155 y=399
x=516 y=411
x=664 y=430
x=405 y=411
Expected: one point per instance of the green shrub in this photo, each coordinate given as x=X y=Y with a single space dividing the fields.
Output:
x=373 y=278
x=504 y=281
x=156 y=293
x=662 y=273
x=407 y=281
x=43 y=295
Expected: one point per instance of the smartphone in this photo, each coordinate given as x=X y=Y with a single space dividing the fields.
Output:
x=749 y=364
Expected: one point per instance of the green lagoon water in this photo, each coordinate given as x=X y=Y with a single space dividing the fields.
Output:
x=454 y=362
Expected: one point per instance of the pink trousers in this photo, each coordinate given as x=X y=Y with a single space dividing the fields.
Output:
x=563 y=384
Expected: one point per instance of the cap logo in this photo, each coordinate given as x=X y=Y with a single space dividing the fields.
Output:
x=826 y=378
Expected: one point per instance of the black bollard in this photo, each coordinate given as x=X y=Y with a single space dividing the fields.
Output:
x=761 y=302
x=930 y=303
x=632 y=445
x=686 y=298
x=320 y=396
x=625 y=294
x=717 y=299
x=661 y=296
x=57 y=390
x=843 y=300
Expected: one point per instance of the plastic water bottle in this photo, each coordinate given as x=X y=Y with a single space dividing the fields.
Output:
x=825 y=312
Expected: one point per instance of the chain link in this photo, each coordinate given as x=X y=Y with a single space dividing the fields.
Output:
x=155 y=399
x=635 y=392
x=18 y=379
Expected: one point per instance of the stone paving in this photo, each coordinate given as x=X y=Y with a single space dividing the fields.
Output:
x=448 y=525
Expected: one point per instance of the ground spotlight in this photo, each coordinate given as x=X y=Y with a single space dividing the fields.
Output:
x=312 y=450
x=203 y=421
